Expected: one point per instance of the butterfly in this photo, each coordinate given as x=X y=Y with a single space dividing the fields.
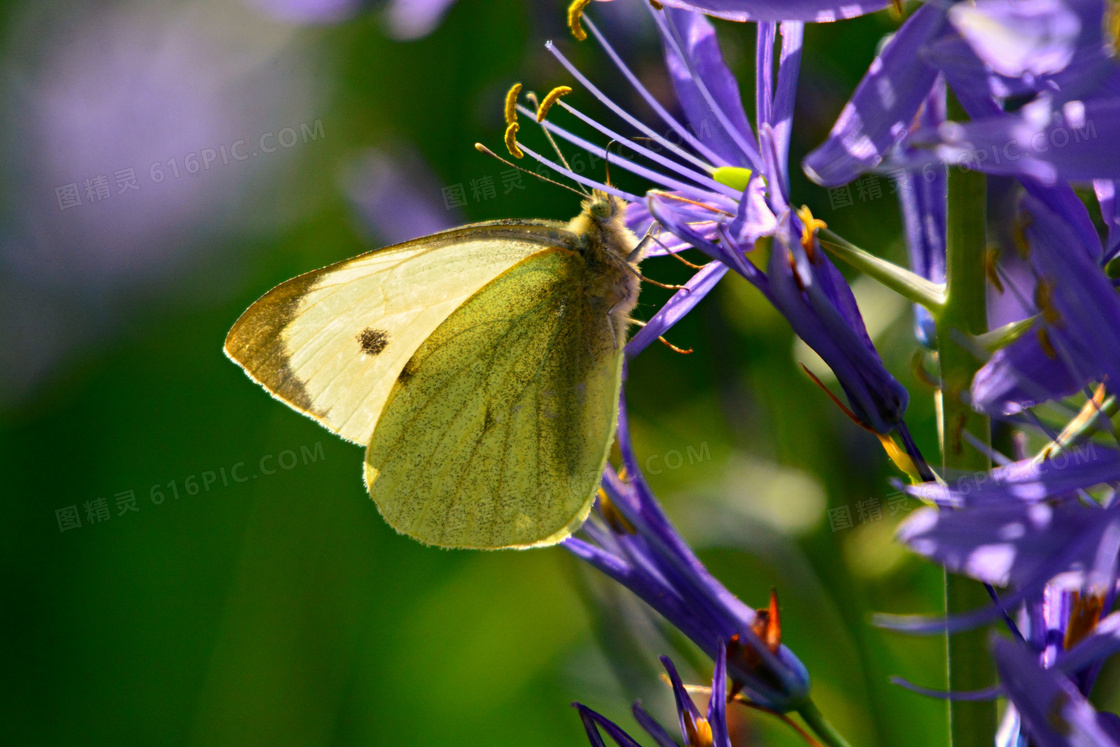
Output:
x=481 y=368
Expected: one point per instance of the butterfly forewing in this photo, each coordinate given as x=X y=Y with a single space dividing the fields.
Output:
x=331 y=343
x=497 y=430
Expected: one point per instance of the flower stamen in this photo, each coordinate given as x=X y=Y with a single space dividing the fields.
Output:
x=575 y=14
x=552 y=97
x=511 y=140
x=511 y=103
x=614 y=518
x=1083 y=617
x=809 y=226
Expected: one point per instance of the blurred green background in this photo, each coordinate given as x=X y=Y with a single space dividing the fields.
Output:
x=282 y=609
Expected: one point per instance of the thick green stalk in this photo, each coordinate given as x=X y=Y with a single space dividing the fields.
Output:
x=825 y=731
x=971 y=724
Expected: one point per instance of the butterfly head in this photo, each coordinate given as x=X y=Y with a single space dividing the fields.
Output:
x=604 y=208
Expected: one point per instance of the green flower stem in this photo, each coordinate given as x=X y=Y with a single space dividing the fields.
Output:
x=909 y=285
x=825 y=731
x=971 y=724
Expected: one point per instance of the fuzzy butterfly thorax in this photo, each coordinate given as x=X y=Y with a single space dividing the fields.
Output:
x=606 y=244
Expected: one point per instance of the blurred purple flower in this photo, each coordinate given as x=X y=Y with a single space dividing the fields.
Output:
x=404 y=19
x=709 y=730
x=631 y=540
x=131 y=136
x=395 y=195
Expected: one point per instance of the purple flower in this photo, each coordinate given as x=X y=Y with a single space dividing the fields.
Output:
x=1053 y=50
x=1050 y=707
x=1026 y=481
x=1020 y=542
x=780 y=10
x=923 y=198
x=1077 y=337
x=631 y=540
x=709 y=730
x=723 y=189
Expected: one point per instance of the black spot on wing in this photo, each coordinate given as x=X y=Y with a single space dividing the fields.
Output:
x=373 y=341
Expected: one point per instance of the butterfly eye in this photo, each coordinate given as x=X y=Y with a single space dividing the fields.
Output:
x=600 y=209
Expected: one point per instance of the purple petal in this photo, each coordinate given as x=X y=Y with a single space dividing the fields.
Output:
x=1027 y=37
x=1106 y=196
x=654 y=729
x=1081 y=323
x=820 y=11
x=1052 y=710
x=717 y=701
x=923 y=199
x=593 y=721
x=1103 y=642
x=816 y=300
x=1027 y=481
x=883 y=105
x=701 y=79
x=683 y=301
x=789 y=65
x=687 y=712
x=1007 y=544
x=1047 y=139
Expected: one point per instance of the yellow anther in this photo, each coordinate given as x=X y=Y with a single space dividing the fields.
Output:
x=654 y=4
x=575 y=13
x=991 y=259
x=511 y=103
x=735 y=177
x=1043 y=298
x=701 y=735
x=1112 y=24
x=1078 y=425
x=1047 y=346
x=613 y=516
x=552 y=97
x=1083 y=618
x=809 y=226
x=900 y=458
x=511 y=140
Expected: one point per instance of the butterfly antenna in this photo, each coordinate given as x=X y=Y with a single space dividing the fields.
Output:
x=483 y=149
x=542 y=109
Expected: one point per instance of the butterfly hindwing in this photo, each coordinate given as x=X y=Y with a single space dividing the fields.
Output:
x=331 y=343
x=497 y=430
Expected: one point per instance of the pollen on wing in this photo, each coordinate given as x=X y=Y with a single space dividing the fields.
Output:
x=511 y=140
x=552 y=97
x=373 y=341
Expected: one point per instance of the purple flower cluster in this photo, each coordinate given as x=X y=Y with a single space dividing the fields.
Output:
x=1039 y=84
